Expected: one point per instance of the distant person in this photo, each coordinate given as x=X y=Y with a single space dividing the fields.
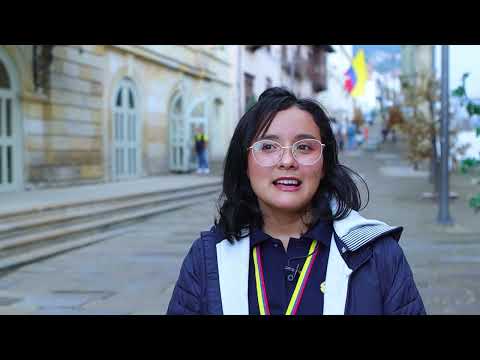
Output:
x=365 y=134
x=201 y=145
x=385 y=132
x=288 y=239
x=351 y=133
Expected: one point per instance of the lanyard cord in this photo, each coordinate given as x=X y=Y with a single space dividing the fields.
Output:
x=301 y=257
x=299 y=288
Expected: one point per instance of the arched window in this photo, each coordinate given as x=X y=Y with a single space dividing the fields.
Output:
x=10 y=168
x=4 y=78
x=177 y=137
x=126 y=131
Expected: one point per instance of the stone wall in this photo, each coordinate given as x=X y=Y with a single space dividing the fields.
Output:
x=66 y=124
x=62 y=129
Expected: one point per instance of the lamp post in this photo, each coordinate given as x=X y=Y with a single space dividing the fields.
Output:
x=444 y=217
x=435 y=163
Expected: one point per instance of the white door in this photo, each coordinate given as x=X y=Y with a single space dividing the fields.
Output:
x=178 y=152
x=10 y=166
x=126 y=133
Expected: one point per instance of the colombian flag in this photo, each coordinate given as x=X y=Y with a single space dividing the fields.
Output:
x=356 y=76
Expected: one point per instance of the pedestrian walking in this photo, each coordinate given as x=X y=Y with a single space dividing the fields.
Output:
x=201 y=145
x=288 y=238
x=351 y=133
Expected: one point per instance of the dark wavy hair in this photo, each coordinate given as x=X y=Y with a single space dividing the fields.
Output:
x=238 y=207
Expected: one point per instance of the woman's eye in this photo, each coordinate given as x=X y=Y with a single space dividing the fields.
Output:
x=303 y=147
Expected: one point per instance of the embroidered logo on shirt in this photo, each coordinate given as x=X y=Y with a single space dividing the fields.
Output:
x=322 y=287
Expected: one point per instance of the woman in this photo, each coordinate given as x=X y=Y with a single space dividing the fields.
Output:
x=288 y=238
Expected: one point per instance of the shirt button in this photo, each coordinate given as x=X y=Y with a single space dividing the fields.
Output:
x=275 y=245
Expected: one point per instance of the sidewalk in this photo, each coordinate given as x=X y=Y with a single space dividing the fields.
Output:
x=38 y=200
x=131 y=273
x=445 y=260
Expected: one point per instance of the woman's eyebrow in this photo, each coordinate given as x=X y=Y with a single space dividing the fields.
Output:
x=305 y=136
x=269 y=137
x=297 y=137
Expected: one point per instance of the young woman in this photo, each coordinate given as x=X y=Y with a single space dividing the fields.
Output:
x=288 y=238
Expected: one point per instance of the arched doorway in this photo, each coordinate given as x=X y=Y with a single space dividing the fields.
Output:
x=178 y=153
x=10 y=147
x=126 y=132
x=197 y=118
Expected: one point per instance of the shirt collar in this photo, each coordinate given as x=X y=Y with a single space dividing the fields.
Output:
x=321 y=231
x=257 y=236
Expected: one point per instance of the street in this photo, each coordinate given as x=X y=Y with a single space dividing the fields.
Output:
x=135 y=272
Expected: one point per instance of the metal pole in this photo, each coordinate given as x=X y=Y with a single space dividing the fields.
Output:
x=443 y=212
x=435 y=163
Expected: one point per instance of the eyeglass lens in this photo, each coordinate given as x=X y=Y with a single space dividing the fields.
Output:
x=268 y=153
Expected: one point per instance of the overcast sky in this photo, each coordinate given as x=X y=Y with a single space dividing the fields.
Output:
x=463 y=58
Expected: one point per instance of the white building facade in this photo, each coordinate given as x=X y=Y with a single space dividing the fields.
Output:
x=300 y=68
x=336 y=99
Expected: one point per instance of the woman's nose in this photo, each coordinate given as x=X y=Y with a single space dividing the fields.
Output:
x=287 y=159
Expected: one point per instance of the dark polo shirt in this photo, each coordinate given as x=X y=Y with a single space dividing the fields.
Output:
x=275 y=259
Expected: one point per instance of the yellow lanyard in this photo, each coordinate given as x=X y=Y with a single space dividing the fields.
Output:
x=299 y=288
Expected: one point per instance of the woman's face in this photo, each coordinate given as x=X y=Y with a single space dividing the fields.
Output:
x=287 y=127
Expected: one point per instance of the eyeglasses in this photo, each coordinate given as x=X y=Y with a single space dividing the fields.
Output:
x=269 y=153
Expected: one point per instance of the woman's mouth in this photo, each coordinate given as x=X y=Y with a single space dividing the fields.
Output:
x=287 y=184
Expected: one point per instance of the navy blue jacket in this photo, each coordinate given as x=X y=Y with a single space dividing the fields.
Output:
x=381 y=282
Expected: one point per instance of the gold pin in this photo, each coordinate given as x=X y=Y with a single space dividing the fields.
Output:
x=322 y=287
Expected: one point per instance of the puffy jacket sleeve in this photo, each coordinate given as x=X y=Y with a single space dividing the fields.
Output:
x=187 y=296
x=400 y=294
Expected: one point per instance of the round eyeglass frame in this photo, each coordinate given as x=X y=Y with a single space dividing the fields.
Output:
x=283 y=152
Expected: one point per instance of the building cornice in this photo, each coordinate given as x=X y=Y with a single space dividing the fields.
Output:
x=173 y=63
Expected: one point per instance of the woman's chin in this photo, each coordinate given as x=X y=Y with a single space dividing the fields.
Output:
x=287 y=206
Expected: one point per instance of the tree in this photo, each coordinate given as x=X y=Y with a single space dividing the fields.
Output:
x=421 y=126
x=469 y=165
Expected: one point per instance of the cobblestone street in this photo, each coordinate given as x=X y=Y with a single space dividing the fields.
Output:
x=135 y=272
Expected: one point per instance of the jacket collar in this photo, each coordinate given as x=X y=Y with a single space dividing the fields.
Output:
x=355 y=231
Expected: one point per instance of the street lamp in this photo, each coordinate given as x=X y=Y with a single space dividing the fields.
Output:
x=444 y=192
